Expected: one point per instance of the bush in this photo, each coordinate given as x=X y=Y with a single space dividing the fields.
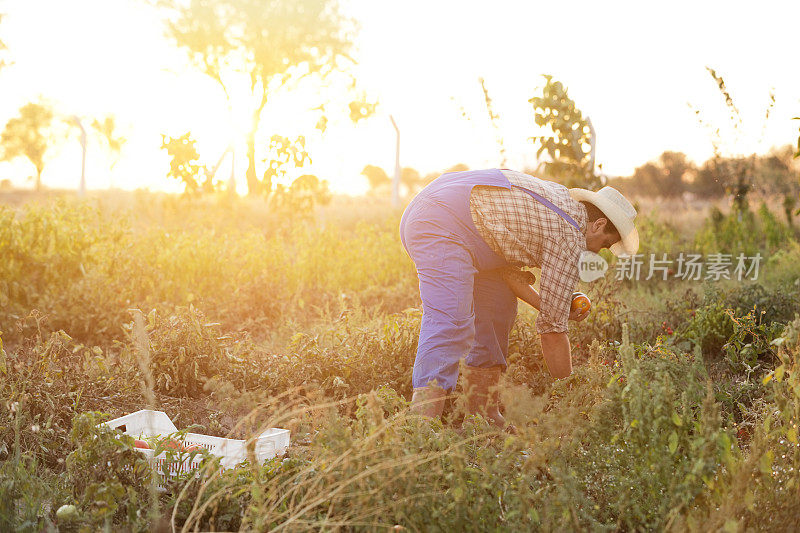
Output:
x=110 y=480
x=654 y=443
x=82 y=272
x=770 y=305
x=742 y=231
x=710 y=326
x=731 y=321
x=45 y=384
x=185 y=352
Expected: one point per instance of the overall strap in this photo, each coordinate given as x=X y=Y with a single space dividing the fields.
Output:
x=551 y=205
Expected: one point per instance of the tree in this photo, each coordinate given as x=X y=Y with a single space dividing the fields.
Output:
x=376 y=177
x=29 y=135
x=264 y=44
x=772 y=175
x=665 y=178
x=458 y=167
x=569 y=147
x=709 y=181
x=410 y=179
x=184 y=164
x=107 y=132
x=361 y=108
x=775 y=175
x=292 y=198
x=300 y=197
x=645 y=180
x=284 y=155
x=427 y=178
x=677 y=170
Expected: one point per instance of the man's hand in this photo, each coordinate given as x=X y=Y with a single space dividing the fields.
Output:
x=556 y=352
x=577 y=315
x=524 y=291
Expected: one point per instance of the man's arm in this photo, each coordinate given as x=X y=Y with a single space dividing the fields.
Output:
x=523 y=289
x=525 y=292
x=555 y=346
x=556 y=352
x=559 y=277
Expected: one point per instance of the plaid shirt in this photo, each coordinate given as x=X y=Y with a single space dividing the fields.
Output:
x=527 y=233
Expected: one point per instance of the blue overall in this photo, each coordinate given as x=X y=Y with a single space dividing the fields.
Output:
x=467 y=308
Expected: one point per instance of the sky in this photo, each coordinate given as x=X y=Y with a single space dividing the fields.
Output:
x=637 y=69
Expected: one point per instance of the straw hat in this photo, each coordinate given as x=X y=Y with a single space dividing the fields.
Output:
x=619 y=211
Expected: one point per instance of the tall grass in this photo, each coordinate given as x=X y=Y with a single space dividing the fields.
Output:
x=681 y=413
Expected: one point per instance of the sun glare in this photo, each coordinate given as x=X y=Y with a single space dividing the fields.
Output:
x=112 y=58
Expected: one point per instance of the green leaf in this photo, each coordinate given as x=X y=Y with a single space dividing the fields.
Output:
x=765 y=463
x=731 y=526
x=749 y=500
x=673 y=442
x=791 y=434
x=677 y=419
x=725 y=444
x=778 y=342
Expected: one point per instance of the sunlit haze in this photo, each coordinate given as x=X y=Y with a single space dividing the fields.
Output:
x=634 y=68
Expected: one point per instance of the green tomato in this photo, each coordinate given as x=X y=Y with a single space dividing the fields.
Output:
x=67 y=513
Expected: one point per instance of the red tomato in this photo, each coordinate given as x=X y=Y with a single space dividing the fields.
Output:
x=743 y=434
x=580 y=302
x=141 y=444
x=192 y=448
x=173 y=445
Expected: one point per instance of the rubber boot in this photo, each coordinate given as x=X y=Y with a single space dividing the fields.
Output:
x=481 y=394
x=428 y=401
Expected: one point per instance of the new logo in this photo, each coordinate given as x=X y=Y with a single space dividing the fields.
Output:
x=591 y=266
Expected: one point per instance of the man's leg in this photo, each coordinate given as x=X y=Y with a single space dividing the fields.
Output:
x=446 y=273
x=495 y=310
x=447 y=331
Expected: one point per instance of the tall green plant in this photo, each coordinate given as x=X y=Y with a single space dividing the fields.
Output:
x=736 y=169
x=569 y=146
x=184 y=164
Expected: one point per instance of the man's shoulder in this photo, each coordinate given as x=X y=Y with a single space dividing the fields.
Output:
x=553 y=191
x=529 y=181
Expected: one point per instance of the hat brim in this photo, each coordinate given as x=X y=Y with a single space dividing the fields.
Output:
x=629 y=244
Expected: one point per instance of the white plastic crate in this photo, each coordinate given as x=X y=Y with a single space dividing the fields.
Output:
x=147 y=423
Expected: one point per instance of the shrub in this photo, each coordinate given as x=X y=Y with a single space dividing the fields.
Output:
x=777 y=304
x=109 y=479
x=750 y=342
x=734 y=233
x=710 y=326
x=185 y=351
x=654 y=444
